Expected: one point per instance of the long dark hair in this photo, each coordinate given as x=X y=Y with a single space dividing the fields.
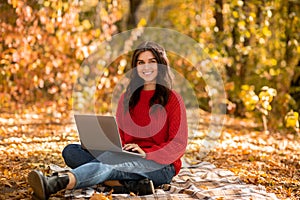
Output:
x=163 y=79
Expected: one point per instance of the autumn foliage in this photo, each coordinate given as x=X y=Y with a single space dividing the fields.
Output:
x=44 y=43
x=254 y=45
x=42 y=47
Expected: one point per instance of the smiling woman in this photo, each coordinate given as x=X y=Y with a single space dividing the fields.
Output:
x=150 y=71
x=152 y=121
x=147 y=69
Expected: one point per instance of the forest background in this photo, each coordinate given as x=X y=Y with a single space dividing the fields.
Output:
x=254 y=44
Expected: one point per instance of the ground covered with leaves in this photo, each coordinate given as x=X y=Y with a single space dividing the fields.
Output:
x=270 y=159
x=33 y=141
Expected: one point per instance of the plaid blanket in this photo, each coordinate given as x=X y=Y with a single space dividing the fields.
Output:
x=202 y=181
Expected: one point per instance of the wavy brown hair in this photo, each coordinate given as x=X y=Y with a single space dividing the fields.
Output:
x=163 y=79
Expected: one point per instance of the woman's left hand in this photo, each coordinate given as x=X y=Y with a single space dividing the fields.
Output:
x=134 y=148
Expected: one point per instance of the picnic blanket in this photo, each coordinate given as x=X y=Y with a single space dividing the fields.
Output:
x=201 y=181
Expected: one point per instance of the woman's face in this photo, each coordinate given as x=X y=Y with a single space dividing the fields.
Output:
x=147 y=69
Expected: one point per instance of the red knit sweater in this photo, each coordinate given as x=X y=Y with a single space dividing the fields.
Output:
x=162 y=133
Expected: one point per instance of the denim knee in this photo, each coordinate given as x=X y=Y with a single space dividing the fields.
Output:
x=69 y=154
x=69 y=150
x=76 y=156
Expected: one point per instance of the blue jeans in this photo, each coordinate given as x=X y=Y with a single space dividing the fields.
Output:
x=90 y=171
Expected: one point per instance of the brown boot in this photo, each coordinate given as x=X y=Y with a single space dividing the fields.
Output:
x=43 y=186
x=141 y=187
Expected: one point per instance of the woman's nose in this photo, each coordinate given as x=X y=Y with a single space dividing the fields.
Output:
x=147 y=65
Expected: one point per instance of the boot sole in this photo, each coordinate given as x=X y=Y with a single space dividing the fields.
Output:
x=150 y=188
x=35 y=180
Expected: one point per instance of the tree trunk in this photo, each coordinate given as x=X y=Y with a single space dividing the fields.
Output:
x=219 y=15
x=132 y=18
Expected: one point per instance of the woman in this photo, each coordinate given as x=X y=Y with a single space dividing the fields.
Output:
x=152 y=121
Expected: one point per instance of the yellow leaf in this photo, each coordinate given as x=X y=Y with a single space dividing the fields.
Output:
x=14 y=3
x=86 y=24
x=97 y=32
x=235 y=14
x=266 y=31
x=142 y=22
x=245 y=87
x=274 y=72
x=262 y=94
x=291 y=119
x=242 y=24
x=273 y=62
x=46 y=3
x=105 y=72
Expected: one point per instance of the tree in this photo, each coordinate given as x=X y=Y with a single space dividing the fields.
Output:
x=132 y=20
x=42 y=49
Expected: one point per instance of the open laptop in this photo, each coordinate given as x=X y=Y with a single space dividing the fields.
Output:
x=100 y=133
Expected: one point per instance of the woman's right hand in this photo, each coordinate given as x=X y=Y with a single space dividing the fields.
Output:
x=134 y=148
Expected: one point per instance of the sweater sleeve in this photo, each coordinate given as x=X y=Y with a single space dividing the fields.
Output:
x=175 y=143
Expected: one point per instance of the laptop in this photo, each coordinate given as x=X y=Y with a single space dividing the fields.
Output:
x=100 y=133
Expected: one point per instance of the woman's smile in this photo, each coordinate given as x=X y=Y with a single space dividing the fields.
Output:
x=147 y=72
x=147 y=69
